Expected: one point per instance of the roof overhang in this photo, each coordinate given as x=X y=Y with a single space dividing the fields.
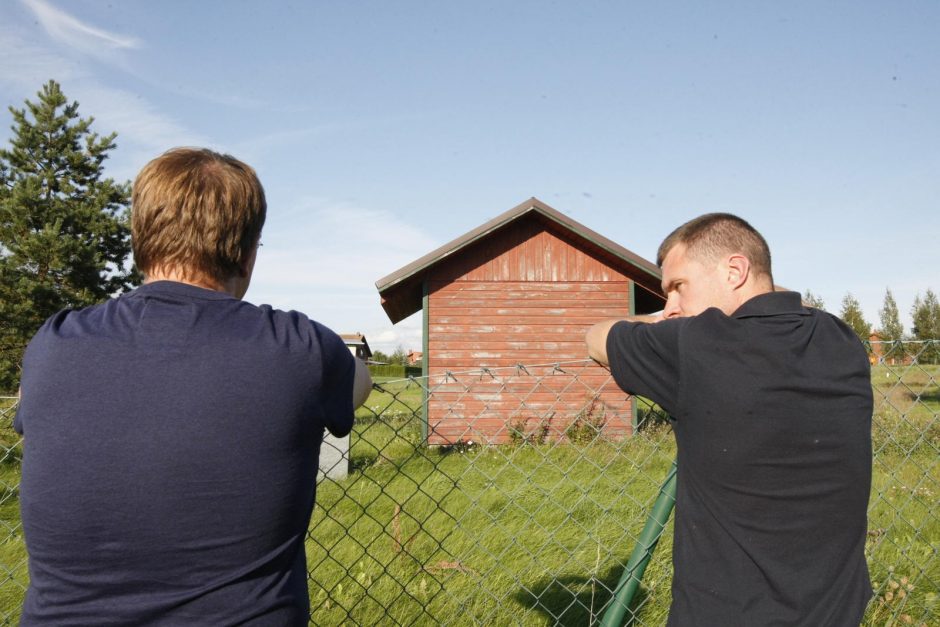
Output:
x=402 y=291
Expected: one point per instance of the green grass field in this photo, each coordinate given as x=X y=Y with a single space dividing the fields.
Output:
x=537 y=534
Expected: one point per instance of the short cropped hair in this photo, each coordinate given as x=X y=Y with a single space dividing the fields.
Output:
x=713 y=234
x=198 y=212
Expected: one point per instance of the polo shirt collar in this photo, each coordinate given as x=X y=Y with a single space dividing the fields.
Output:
x=772 y=304
x=181 y=289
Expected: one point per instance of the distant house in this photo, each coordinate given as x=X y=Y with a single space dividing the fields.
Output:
x=414 y=357
x=522 y=288
x=358 y=345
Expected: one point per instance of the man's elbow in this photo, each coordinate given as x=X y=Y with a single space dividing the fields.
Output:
x=596 y=340
x=362 y=384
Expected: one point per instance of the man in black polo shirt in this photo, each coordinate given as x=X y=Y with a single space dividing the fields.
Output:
x=772 y=410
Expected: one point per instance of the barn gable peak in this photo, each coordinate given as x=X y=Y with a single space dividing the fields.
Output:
x=402 y=290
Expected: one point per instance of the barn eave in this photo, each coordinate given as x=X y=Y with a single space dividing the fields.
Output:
x=402 y=291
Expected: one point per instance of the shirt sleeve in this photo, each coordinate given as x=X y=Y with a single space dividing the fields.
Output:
x=339 y=371
x=18 y=420
x=644 y=360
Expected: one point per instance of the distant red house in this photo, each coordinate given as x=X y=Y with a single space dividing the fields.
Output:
x=414 y=357
x=522 y=288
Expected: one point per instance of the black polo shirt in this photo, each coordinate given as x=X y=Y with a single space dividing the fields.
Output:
x=772 y=414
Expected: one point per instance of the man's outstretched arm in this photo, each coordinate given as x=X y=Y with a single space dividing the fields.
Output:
x=596 y=337
x=362 y=384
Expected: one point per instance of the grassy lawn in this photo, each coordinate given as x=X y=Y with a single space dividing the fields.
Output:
x=493 y=535
x=538 y=534
x=903 y=520
x=13 y=575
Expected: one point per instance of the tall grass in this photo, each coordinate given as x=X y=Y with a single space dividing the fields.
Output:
x=13 y=575
x=903 y=519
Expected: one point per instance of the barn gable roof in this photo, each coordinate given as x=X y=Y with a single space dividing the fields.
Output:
x=401 y=291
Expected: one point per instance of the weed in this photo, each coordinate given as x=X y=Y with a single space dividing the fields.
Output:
x=520 y=434
x=588 y=423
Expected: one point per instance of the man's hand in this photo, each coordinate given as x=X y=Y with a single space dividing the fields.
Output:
x=362 y=384
x=596 y=337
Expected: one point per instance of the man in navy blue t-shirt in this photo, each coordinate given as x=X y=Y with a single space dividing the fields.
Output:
x=171 y=435
x=772 y=407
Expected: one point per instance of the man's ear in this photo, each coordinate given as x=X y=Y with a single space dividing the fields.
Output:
x=738 y=270
x=247 y=266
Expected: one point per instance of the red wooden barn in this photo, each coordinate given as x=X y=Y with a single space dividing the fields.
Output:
x=521 y=289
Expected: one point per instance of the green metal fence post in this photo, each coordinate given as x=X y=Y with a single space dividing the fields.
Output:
x=425 y=356
x=636 y=565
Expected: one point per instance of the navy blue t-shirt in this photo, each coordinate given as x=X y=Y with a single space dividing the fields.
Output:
x=772 y=409
x=170 y=456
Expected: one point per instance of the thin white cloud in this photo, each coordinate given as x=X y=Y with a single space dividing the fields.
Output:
x=27 y=61
x=406 y=334
x=336 y=246
x=27 y=65
x=323 y=259
x=143 y=130
x=68 y=31
x=72 y=32
x=257 y=148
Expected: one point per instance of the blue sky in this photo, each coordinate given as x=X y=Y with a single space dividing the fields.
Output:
x=384 y=129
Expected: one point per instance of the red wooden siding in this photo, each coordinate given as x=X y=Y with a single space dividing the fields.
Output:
x=494 y=324
x=523 y=295
x=526 y=250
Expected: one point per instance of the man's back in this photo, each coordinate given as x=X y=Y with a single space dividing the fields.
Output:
x=773 y=409
x=169 y=471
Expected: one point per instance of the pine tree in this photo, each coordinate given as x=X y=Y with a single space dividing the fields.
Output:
x=891 y=329
x=926 y=316
x=64 y=237
x=852 y=315
x=812 y=300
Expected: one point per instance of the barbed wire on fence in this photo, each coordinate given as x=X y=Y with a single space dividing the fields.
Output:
x=515 y=495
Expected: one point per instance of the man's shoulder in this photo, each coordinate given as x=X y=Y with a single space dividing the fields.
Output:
x=295 y=330
x=68 y=318
x=297 y=320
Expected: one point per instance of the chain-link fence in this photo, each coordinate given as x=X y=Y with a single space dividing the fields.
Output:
x=517 y=495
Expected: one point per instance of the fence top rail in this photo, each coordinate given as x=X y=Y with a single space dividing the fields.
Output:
x=929 y=341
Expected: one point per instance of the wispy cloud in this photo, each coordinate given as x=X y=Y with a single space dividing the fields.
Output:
x=336 y=246
x=323 y=259
x=27 y=61
x=143 y=130
x=68 y=31
x=25 y=64
x=72 y=32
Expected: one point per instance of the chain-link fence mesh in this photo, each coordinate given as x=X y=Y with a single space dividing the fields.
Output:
x=516 y=495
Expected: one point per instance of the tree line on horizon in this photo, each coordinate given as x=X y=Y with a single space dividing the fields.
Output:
x=925 y=315
x=65 y=236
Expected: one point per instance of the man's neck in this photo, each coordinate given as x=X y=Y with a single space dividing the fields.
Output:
x=749 y=291
x=160 y=274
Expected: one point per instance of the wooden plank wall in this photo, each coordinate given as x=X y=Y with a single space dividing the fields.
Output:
x=524 y=296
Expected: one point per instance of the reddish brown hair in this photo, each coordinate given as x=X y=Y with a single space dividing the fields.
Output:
x=198 y=212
